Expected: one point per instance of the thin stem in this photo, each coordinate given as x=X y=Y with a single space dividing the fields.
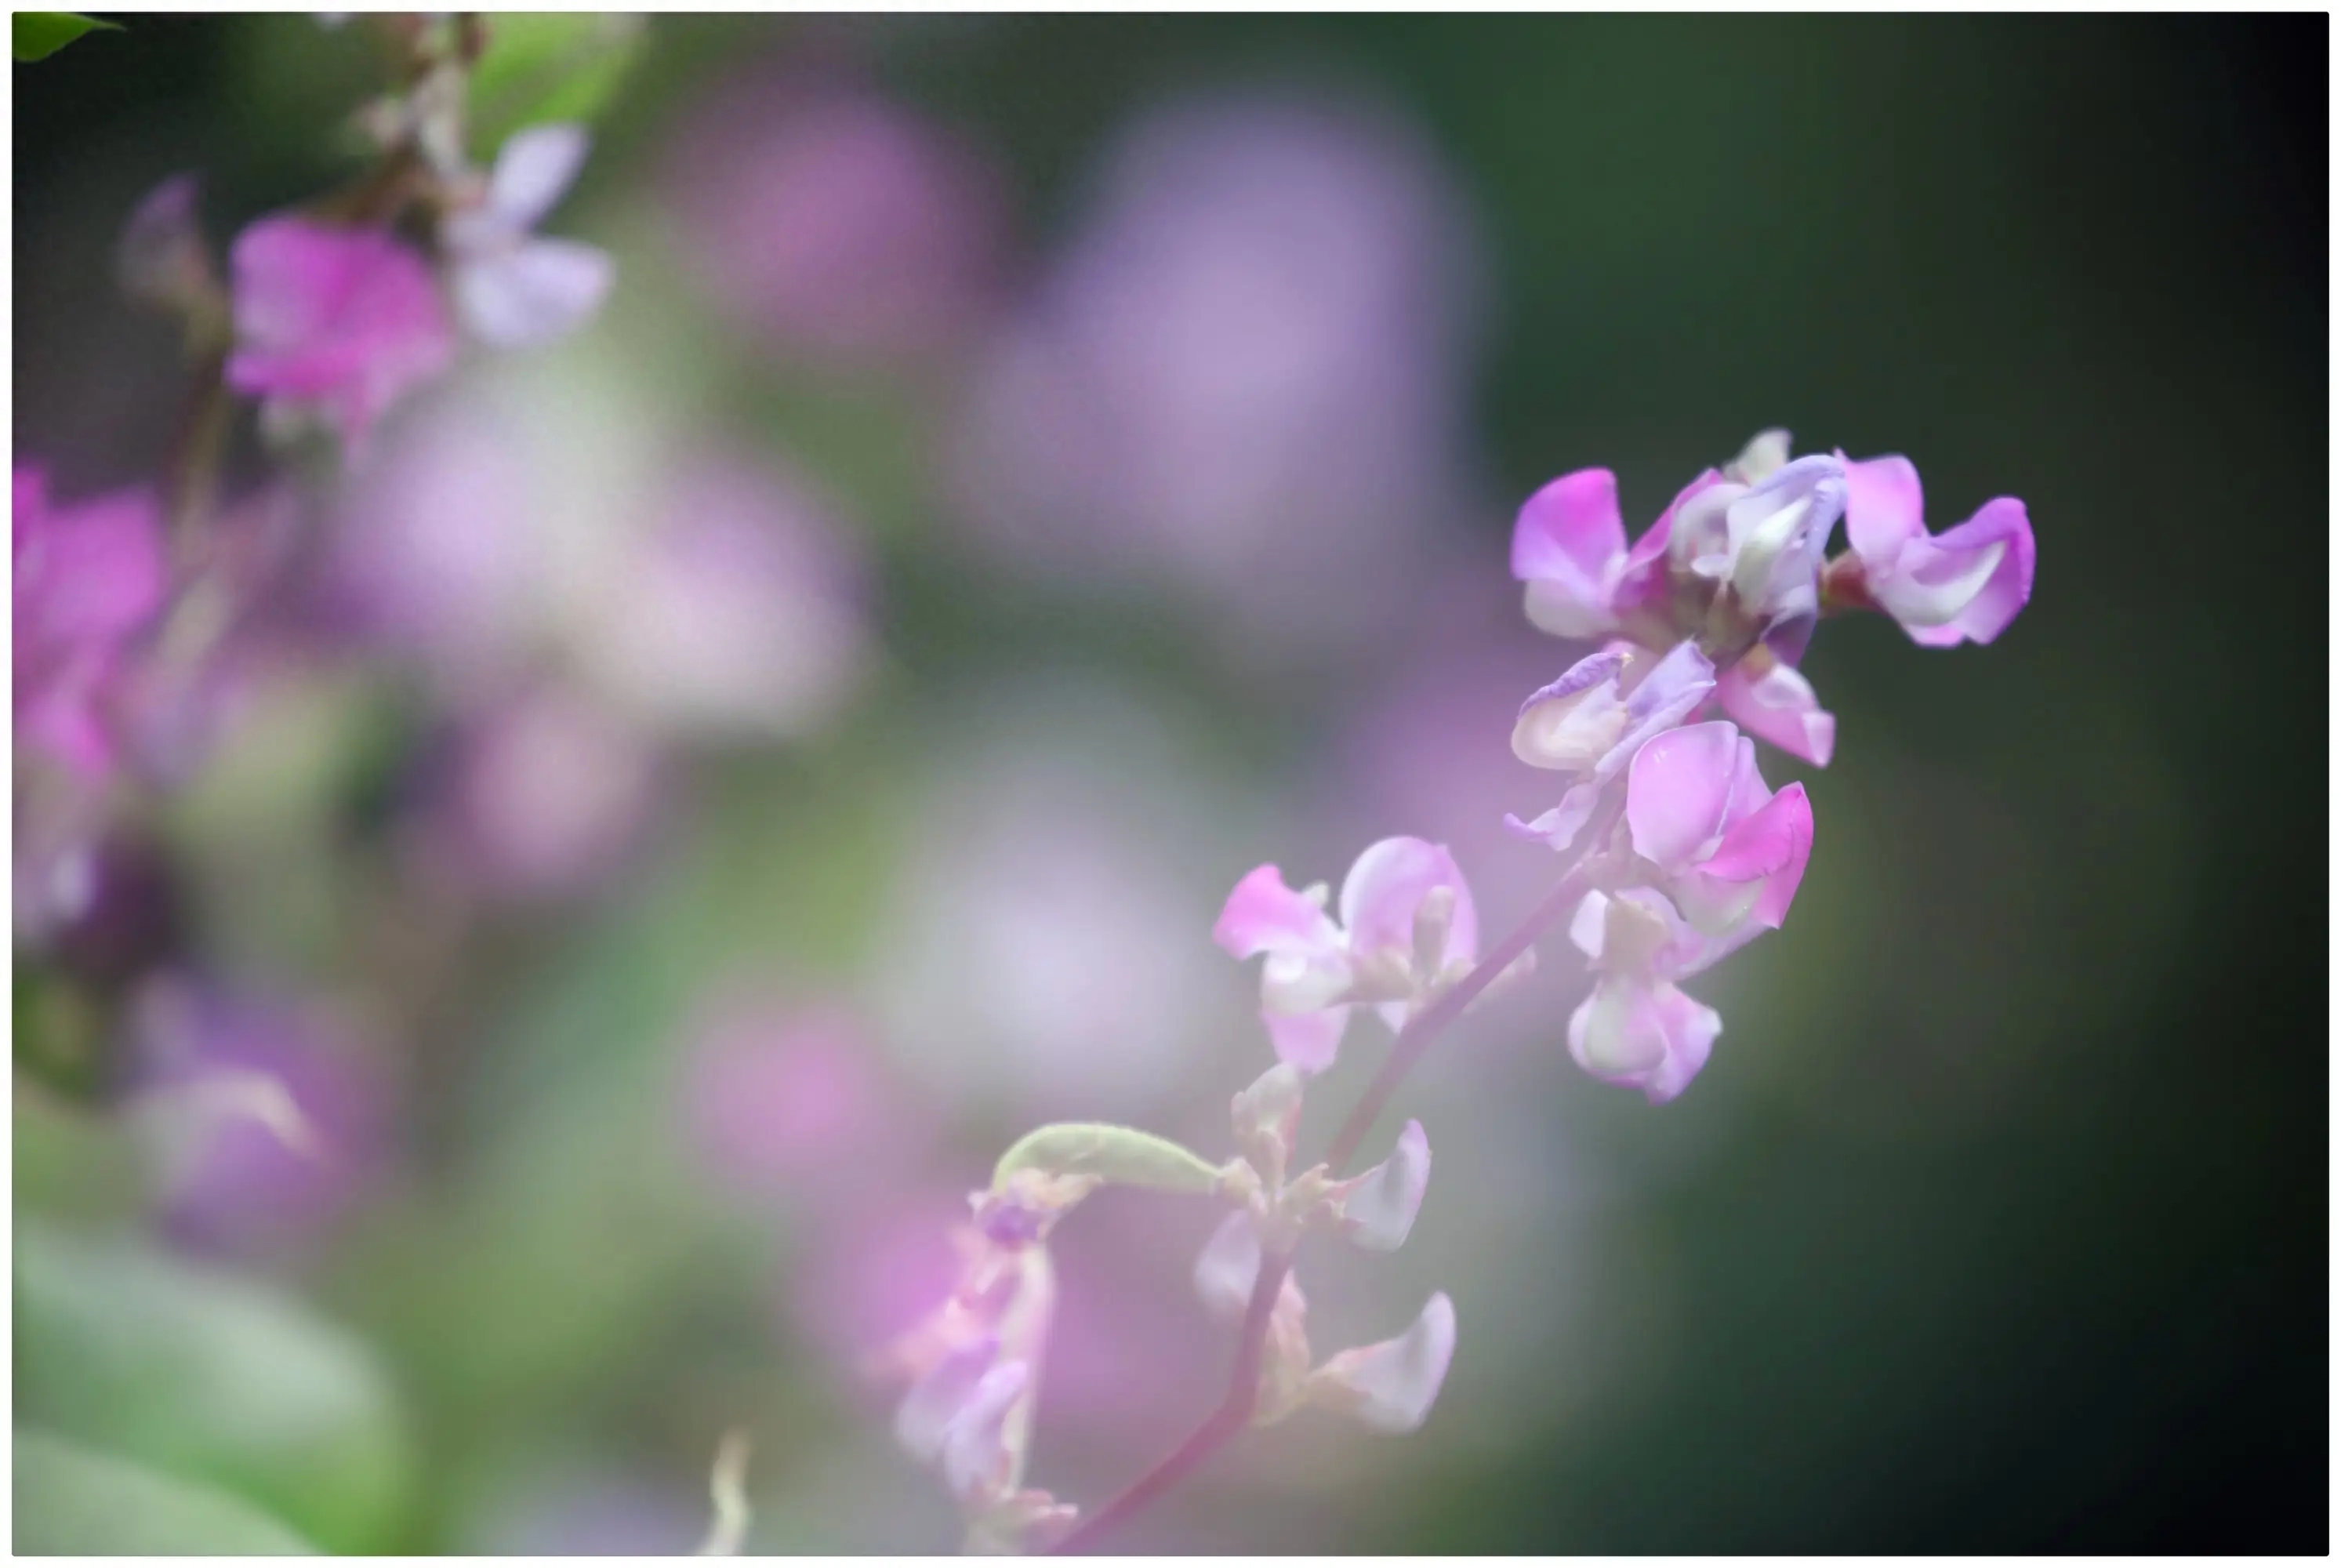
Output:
x=1235 y=1408
x=1427 y=1025
x=1233 y=1414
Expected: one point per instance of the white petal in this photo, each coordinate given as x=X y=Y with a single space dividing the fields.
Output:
x=1378 y=1213
x=1228 y=1265
x=533 y=168
x=532 y=293
x=1391 y=1386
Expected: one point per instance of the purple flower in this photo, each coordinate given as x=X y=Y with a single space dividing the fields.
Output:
x=333 y=323
x=1637 y=1029
x=1243 y=377
x=543 y=795
x=841 y=224
x=236 y=1181
x=1725 y=848
x=1963 y=584
x=513 y=289
x=790 y=1099
x=1589 y=724
x=736 y=614
x=88 y=579
x=1407 y=926
x=1568 y=546
x=1765 y=543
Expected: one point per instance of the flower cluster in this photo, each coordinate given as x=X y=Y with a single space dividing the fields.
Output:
x=1682 y=854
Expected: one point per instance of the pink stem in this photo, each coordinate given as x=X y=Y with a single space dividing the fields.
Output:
x=1234 y=1411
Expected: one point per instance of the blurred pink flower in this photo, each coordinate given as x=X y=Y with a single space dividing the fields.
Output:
x=88 y=578
x=838 y=223
x=333 y=323
x=543 y=796
x=1589 y=724
x=1246 y=373
x=236 y=1185
x=793 y=1099
x=736 y=613
x=1726 y=848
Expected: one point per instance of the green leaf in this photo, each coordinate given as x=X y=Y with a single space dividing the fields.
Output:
x=543 y=66
x=41 y=33
x=73 y=1502
x=209 y=1377
x=1123 y=1154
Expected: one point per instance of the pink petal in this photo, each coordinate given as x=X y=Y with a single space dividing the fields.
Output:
x=1780 y=705
x=1380 y=1206
x=1566 y=546
x=1780 y=885
x=2002 y=524
x=1391 y=1386
x=1388 y=884
x=1263 y=915
x=1677 y=789
x=1884 y=508
x=1308 y=1041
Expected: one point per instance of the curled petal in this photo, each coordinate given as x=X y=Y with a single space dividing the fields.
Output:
x=1228 y=1267
x=532 y=293
x=1768 y=839
x=980 y=1461
x=1568 y=546
x=1885 y=507
x=1791 y=825
x=1772 y=701
x=1386 y=887
x=1391 y=1386
x=1981 y=570
x=1678 y=791
x=923 y=1419
x=1676 y=686
x=534 y=169
x=1558 y=828
x=1263 y=915
x=1378 y=1209
x=1573 y=723
x=1646 y=1035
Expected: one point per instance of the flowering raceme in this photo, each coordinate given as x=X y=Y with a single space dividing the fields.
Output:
x=1680 y=855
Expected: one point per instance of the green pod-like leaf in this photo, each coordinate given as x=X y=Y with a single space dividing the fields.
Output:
x=1111 y=1154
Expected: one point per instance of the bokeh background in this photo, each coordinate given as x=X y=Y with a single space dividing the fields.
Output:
x=730 y=772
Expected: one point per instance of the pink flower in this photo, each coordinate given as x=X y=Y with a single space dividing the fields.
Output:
x=1725 y=848
x=88 y=578
x=1589 y=724
x=1406 y=925
x=513 y=289
x=1568 y=546
x=1638 y=1029
x=1375 y=1210
x=1762 y=543
x=1963 y=584
x=332 y=323
x=844 y=224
